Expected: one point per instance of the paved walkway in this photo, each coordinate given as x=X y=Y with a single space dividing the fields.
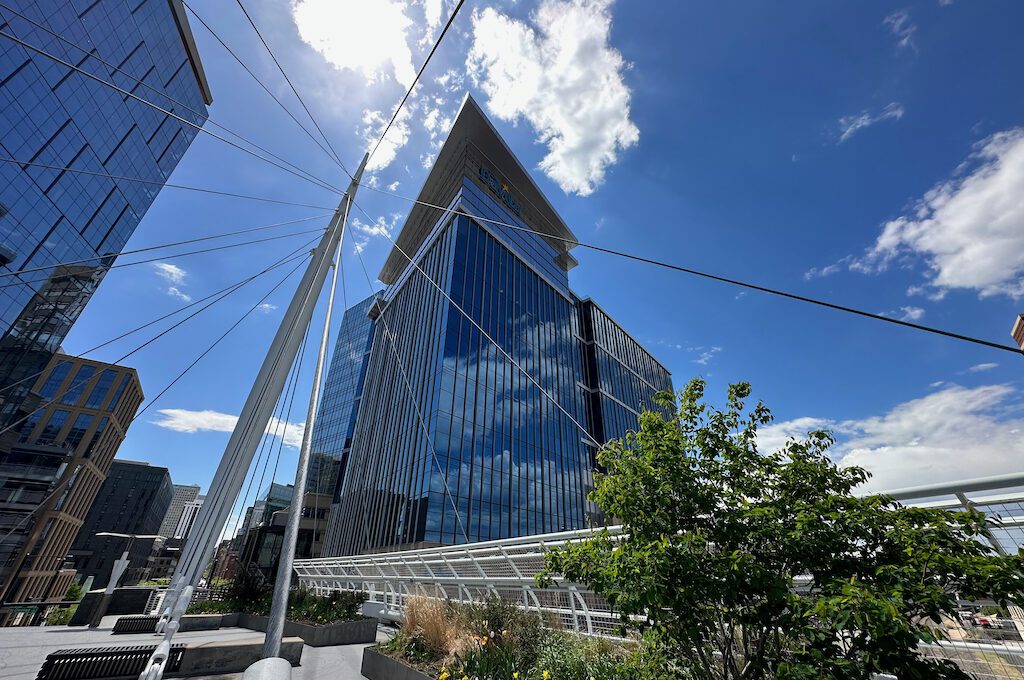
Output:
x=23 y=650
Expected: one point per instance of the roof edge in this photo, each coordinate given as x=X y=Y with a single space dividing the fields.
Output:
x=189 y=41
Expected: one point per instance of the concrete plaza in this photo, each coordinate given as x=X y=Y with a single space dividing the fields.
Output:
x=23 y=650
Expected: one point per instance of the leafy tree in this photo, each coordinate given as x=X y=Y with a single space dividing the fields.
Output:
x=74 y=592
x=737 y=563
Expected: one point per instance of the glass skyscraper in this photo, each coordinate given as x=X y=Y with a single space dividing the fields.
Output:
x=336 y=414
x=51 y=118
x=454 y=441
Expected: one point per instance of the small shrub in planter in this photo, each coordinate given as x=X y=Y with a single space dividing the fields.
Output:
x=497 y=640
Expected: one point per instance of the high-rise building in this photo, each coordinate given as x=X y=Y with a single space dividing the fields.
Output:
x=188 y=518
x=336 y=414
x=183 y=495
x=70 y=147
x=53 y=467
x=133 y=501
x=453 y=441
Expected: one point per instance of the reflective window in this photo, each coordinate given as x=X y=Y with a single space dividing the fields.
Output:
x=77 y=386
x=99 y=391
x=57 y=375
x=52 y=427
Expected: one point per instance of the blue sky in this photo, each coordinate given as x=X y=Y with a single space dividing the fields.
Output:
x=868 y=152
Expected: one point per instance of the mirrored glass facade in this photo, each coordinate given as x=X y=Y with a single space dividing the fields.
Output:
x=54 y=118
x=459 y=441
x=339 y=403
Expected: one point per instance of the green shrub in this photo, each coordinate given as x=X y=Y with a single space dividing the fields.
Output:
x=61 y=616
x=211 y=607
x=305 y=607
x=509 y=624
x=568 y=656
x=488 y=660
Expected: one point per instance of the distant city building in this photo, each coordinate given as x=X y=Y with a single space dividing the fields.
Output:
x=52 y=467
x=188 y=518
x=336 y=414
x=183 y=495
x=262 y=549
x=133 y=500
x=66 y=227
x=452 y=441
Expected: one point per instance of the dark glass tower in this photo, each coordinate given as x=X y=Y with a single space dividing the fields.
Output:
x=133 y=500
x=453 y=441
x=52 y=116
x=336 y=415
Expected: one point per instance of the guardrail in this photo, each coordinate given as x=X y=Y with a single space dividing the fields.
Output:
x=506 y=568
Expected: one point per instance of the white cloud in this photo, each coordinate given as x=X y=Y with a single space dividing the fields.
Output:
x=451 y=81
x=393 y=186
x=969 y=229
x=171 y=273
x=382 y=227
x=902 y=27
x=851 y=125
x=981 y=368
x=432 y=13
x=266 y=307
x=174 y=292
x=183 y=420
x=827 y=270
x=369 y=37
x=951 y=434
x=374 y=123
x=705 y=354
x=564 y=78
x=175 y=277
x=907 y=314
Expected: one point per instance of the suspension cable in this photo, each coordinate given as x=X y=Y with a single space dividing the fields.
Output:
x=164 y=185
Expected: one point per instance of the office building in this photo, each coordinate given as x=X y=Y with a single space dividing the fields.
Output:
x=339 y=404
x=454 y=441
x=183 y=495
x=262 y=549
x=187 y=518
x=53 y=467
x=133 y=501
x=1018 y=330
x=336 y=414
x=66 y=209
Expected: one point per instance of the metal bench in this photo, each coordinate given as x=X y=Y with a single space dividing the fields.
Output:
x=104 y=662
x=135 y=624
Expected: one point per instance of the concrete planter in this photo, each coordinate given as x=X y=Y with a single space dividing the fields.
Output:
x=360 y=631
x=224 y=656
x=377 y=666
x=229 y=620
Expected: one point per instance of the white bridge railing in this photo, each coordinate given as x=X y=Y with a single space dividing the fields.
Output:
x=506 y=569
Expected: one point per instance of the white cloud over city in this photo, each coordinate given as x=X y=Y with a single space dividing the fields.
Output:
x=969 y=229
x=174 y=278
x=951 y=434
x=191 y=422
x=851 y=125
x=378 y=48
x=559 y=72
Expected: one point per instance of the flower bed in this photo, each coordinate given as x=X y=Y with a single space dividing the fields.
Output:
x=319 y=621
x=497 y=640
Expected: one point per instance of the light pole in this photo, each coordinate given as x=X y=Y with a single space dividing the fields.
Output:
x=120 y=566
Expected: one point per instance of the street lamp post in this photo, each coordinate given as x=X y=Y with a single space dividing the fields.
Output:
x=120 y=566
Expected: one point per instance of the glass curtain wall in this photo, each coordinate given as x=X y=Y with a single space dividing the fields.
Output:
x=501 y=458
